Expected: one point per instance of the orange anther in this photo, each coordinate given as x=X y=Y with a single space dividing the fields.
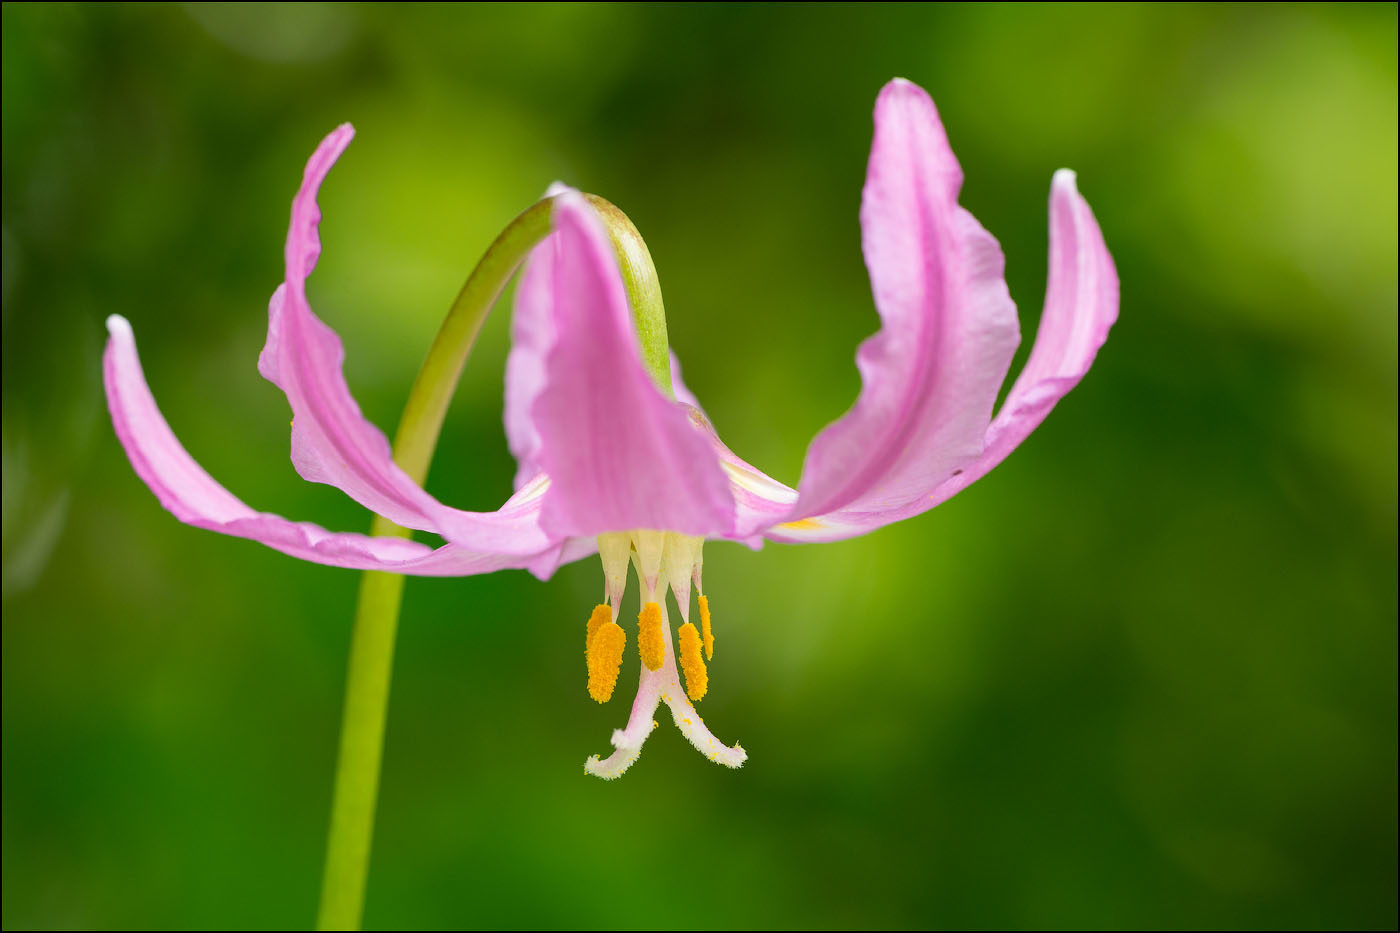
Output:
x=697 y=679
x=650 y=639
x=605 y=659
x=602 y=615
x=705 y=627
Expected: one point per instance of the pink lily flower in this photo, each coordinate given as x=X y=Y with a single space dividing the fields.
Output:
x=611 y=462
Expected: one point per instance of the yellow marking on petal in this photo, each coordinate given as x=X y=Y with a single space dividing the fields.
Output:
x=650 y=641
x=602 y=615
x=802 y=524
x=697 y=679
x=705 y=628
x=605 y=659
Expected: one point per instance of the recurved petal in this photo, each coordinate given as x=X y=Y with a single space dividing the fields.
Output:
x=759 y=500
x=332 y=442
x=930 y=376
x=620 y=455
x=565 y=552
x=194 y=497
x=1081 y=304
x=531 y=337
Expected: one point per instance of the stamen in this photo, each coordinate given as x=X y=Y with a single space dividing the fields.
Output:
x=649 y=546
x=697 y=679
x=602 y=615
x=604 y=655
x=678 y=566
x=705 y=627
x=656 y=687
x=698 y=570
x=614 y=549
x=650 y=637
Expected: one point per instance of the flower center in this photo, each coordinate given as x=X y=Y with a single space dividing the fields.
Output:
x=663 y=560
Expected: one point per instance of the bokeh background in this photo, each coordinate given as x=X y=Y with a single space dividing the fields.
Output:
x=1142 y=675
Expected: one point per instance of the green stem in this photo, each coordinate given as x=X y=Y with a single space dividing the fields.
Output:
x=381 y=594
x=361 y=747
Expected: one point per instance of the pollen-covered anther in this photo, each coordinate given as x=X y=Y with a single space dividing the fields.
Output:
x=651 y=642
x=605 y=644
x=705 y=627
x=602 y=615
x=697 y=679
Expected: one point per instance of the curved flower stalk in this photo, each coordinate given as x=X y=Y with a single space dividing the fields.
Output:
x=616 y=456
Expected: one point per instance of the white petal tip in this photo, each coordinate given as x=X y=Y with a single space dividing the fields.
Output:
x=118 y=326
x=903 y=89
x=570 y=200
x=1067 y=179
x=555 y=189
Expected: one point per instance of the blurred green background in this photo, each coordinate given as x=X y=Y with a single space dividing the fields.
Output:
x=1142 y=675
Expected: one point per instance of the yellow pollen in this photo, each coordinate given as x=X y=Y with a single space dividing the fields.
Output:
x=650 y=641
x=802 y=524
x=602 y=615
x=604 y=655
x=697 y=679
x=705 y=628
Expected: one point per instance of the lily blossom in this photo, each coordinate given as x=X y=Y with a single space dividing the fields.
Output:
x=612 y=462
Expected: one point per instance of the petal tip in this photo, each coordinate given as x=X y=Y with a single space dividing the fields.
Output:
x=326 y=155
x=569 y=198
x=555 y=189
x=1066 y=179
x=904 y=107
x=571 y=209
x=118 y=326
x=902 y=88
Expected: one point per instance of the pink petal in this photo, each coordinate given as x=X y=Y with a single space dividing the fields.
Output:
x=759 y=500
x=1081 y=304
x=565 y=552
x=620 y=455
x=930 y=376
x=531 y=337
x=331 y=441
x=192 y=495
